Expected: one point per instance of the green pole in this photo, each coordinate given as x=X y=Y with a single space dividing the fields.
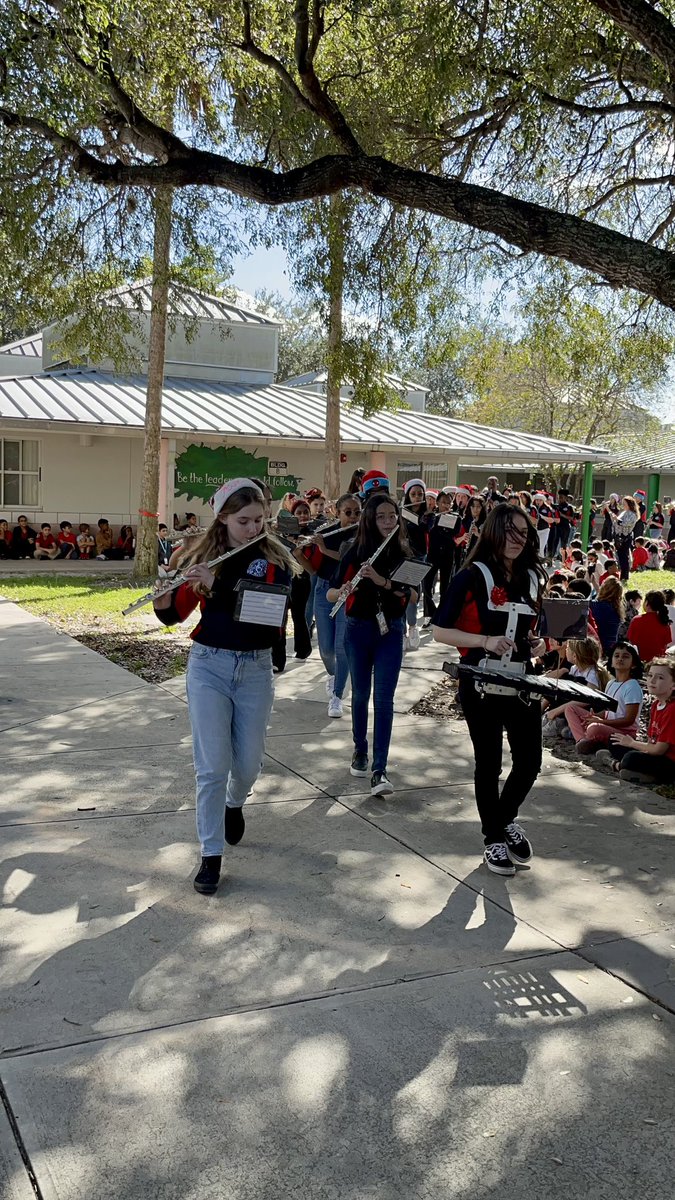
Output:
x=586 y=510
x=653 y=489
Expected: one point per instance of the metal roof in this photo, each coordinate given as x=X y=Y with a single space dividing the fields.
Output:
x=273 y=412
x=184 y=302
x=27 y=347
x=661 y=458
x=321 y=376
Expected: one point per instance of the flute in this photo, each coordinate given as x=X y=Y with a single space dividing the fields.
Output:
x=307 y=541
x=353 y=583
x=181 y=578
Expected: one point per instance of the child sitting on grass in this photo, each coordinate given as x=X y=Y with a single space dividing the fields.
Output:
x=652 y=761
x=583 y=654
x=592 y=730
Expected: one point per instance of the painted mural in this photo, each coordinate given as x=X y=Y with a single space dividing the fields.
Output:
x=200 y=470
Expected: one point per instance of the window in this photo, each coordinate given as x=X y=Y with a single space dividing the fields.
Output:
x=599 y=488
x=19 y=473
x=406 y=471
x=435 y=475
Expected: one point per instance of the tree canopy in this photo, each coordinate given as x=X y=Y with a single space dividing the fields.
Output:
x=545 y=126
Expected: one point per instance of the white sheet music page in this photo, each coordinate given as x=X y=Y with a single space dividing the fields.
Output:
x=262 y=608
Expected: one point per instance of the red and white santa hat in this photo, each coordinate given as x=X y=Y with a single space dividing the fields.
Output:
x=219 y=500
x=432 y=491
x=539 y=496
x=465 y=489
x=414 y=483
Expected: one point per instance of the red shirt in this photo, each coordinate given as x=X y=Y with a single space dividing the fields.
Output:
x=650 y=636
x=662 y=726
x=67 y=537
x=640 y=557
x=46 y=541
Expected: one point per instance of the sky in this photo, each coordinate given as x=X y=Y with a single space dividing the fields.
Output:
x=261 y=269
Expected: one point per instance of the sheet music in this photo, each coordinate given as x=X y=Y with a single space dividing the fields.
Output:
x=262 y=608
x=410 y=572
x=448 y=520
x=410 y=516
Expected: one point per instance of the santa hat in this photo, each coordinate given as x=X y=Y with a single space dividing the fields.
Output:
x=432 y=491
x=219 y=500
x=539 y=496
x=614 y=496
x=374 y=481
x=414 y=483
x=464 y=489
x=639 y=493
x=450 y=489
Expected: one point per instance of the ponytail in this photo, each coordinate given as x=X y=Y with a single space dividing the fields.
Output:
x=657 y=604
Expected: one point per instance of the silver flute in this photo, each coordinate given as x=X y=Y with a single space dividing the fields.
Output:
x=172 y=584
x=320 y=533
x=353 y=583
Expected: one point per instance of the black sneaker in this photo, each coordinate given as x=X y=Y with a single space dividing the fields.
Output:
x=234 y=825
x=518 y=847
x=497 y=859
x=206 y=879
x=359 y=764
x=380 y=785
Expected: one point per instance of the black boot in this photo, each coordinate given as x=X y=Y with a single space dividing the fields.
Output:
x=234 y=825
x=206 y=879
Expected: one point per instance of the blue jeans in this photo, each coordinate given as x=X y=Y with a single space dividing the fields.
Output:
x=309 y=607
x=331 y=636
x=373 y=659
x=229 y=700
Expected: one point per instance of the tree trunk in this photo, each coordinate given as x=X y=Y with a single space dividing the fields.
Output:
x=146 y=542
x=336 y=254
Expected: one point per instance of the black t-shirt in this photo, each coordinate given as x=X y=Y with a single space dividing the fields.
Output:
x=566 y=513
x=466 y=605
x=368 y=599
x=217 y=626
x=322 y=565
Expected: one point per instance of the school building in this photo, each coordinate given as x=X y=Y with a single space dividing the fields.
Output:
x=71 y=436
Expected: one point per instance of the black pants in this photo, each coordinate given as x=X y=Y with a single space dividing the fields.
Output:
x=444 y=571
x=487 y=718
x=623 y=548
x=300 y=589
x=659 y=766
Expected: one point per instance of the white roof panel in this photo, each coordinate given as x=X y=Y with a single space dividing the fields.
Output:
x=229 y=410
x=184 y=302
x=26 y=347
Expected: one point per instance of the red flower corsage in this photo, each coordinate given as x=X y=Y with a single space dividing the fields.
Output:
x=499 y=596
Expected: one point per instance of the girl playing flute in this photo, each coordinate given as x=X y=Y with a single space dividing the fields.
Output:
x=229 y=675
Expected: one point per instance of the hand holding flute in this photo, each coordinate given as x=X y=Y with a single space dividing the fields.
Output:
x=197 y=573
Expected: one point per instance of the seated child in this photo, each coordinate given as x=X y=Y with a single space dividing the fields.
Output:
x=653 y=557
x=6 y=549
x=86 y=543
x=632 y=608
x=611 y=569
x=67 y=541
x=669 y=560
x=46 y=545
x=592 y=730
x=583 y=655
x=640 y=555
x=652 y=761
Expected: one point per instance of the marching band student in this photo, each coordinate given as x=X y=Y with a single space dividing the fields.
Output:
x=640 y=497
x=543 y=520
x=609 y=511
x=229 y=676
x=564 y=520
x=317 y=507
x=432 y=499
x=461 y=534
x=415 y=502
x=441 y=555
x=375 y=613
x=301 y=587
x=321 y=559
x=656 y=521
x=489 y=612
x=652 y=761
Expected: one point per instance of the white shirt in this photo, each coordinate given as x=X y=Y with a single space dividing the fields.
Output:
x=628 y=692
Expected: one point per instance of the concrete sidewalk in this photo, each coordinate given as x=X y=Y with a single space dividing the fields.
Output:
x=362 y=1011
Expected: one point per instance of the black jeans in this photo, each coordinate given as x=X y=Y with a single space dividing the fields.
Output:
x=300 y=589
x=623 y=548
x=659 y=765
x=444 y=571
x=487 y=718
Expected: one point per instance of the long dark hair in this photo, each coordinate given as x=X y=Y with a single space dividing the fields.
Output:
x=368 y=537
x=657 y=604
x=489 y=548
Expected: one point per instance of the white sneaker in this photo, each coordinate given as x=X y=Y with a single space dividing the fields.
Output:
x=497 y=860
x=330 y=686
x=335 y=707
x=413 y=638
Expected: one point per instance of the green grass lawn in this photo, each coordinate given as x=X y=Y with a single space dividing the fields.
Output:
x=89 y=608
x=651 y=581
x=69 y=596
